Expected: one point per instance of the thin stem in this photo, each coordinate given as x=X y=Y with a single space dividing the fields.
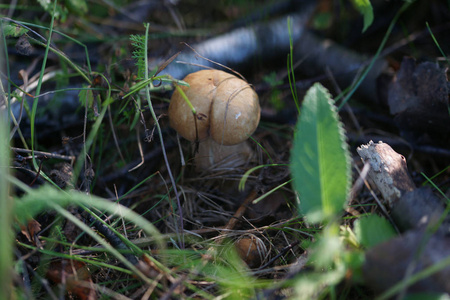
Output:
x=377 y=54
x=172 y=180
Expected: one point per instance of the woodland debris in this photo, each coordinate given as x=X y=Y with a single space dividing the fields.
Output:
x=388 y=170
x=266 y=41
x=252 y=250
x=411 y=208
x=388 y=263
x=418 y=97
x=318 y=55
x=74 y=276
x=241 y=46
x=419 y=209
x=418 y=212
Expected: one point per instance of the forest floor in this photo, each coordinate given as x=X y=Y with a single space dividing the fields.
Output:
x=88 y=135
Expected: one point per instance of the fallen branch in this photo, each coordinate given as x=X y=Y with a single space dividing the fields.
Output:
x=411 y=208
x=417 y=260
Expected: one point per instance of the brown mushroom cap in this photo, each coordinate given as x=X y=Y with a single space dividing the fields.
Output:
x=227 y=108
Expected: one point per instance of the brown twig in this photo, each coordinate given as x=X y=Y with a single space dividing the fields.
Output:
x=46 y=154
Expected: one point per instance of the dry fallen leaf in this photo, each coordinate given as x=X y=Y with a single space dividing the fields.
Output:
x=31 y=230
x=75 y=276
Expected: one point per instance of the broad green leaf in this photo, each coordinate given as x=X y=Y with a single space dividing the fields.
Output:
x=365 y=8
x=320 y=163
x=373 y=230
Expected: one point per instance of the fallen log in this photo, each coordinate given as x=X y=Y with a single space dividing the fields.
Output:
x=420 y=214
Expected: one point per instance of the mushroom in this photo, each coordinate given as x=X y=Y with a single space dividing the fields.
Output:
x=252 y=250
x=227 y=113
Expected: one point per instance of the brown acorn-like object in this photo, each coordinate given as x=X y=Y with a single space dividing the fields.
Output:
x=252 y=250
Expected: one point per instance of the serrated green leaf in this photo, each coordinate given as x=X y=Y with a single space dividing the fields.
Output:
x=10 y=30
x=320 y=163
x=365 y=8
x=373 y=230
x=138 y=42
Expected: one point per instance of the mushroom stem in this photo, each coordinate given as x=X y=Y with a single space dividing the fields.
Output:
x=212 y=155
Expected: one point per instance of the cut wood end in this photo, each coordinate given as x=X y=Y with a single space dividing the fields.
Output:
x=388 y=170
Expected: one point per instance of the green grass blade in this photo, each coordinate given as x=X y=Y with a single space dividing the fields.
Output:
x=38 y=91
x=61 y=54
x=6 y=206
x=436 y=42
x=377 y=54
x=290 y=67
x=244 y=178
x=320 y=163
x=158 y=128
x=39 y=200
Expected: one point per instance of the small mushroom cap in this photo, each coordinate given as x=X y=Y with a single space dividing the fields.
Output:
x=227 y=108
x=252 y=250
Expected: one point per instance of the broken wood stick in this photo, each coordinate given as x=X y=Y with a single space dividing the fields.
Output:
x=419 y=212
x=411 y=207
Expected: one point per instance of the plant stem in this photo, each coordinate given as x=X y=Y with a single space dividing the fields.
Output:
x=172 y=180
x=377 y=54
x=6 y=208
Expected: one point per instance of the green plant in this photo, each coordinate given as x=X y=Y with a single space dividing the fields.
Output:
x=6 y=204
x=320 y=167
x=60 y=11
x=141 y=55
x=321 y=176
x=320 y=161
x=365 y=9
x=275 y=93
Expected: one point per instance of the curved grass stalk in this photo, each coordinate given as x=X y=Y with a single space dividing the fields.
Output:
x=66 y=59
x=158 y=128
x=145 y=82
x=244 y=178
x=38 y=91
x=437 y=43
x=290 y=67
x=6 y=207
x=56 y=51
x=88 y=142
x=377 y=54
x=271 y=191
x=59 y=254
